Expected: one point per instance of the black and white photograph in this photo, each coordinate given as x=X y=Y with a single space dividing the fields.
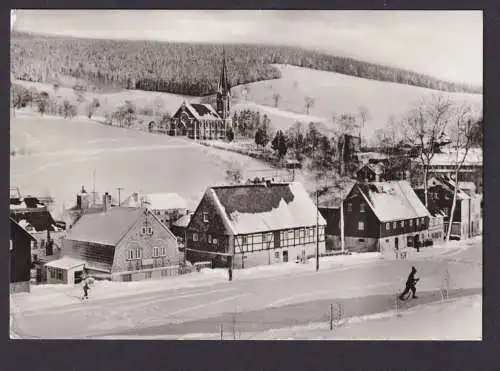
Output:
x=246 y=175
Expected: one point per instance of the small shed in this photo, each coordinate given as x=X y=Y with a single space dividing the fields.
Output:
x=66 y=270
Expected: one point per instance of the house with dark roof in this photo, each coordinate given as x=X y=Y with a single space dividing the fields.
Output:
x=198 y=121
x=467 y=218
x=20 y=257
x=124 y=243
x=382 y=216
x=202 y=121
x=254 y=224
x=371 y=173
x=38 y=221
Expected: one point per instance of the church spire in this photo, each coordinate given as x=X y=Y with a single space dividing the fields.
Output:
x=224 y=86
x=223 y=90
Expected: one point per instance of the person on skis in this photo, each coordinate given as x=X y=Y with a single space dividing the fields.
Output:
x=86 y=288
x=410 y=284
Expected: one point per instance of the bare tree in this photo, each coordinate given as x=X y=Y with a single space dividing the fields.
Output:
x=158 y=105
x=423 y=126
x=308 y=103
x=234 y=173
x=462 y=134
x=276 y=99
x=364 y=115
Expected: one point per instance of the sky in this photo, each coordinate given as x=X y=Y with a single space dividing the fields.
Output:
x=444 y=44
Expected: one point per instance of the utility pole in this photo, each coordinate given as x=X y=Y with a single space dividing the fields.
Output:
x=317 y=229
x=119 y=199
x=342 y=242
x=93 y=187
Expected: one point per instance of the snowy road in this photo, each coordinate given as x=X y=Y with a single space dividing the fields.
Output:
x=299 y=297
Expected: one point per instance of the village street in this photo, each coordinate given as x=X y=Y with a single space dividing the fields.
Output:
x=252 y=302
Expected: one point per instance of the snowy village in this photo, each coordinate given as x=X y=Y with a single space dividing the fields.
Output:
x=238 y=191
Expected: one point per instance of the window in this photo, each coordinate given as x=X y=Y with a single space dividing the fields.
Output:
x=155 y=252
x=409 y=241
x=349 y=207
x=362 y=207
x=394 y=225
x=138 y=253
x=361 y=240
x=11 y=248
x=361 y=226
x=387 y=226
x=402 y=223
x=148 y=275
x=42 y=243
x=418 y=222
x=205 y=217
x=311 y=232
x=33 y=245
x=143 y=230
x=215 y=241
x=195 y=236
x=209 y=238
x=130 y=254
x=244 y=240
x=411 y=222
x=276 y=254
x=149 y=230
x=163 y=251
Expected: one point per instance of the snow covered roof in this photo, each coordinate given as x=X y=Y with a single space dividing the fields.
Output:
x=183 y=221
x=392 y=201
x=156 y=201
x=253 y=208
x=200 y=111
x=66 y=262
x=40 y=220
x=105 y=228
x=448 y=184
x=334 y=196
x=15 y=224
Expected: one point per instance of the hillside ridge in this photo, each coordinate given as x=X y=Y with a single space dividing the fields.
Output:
x=185 y=68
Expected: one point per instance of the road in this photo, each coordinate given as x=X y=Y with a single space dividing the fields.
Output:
x=258 y=304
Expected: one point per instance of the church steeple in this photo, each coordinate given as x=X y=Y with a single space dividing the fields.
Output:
x=223 y=91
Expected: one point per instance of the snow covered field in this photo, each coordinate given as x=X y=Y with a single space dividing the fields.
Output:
x=334 y=92
x=264 y=298
x=62 y=155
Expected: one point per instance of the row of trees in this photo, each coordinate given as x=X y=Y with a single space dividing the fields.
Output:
x=182 y=68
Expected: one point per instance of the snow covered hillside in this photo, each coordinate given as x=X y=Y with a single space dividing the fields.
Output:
x=333 y=93
x=62 y=155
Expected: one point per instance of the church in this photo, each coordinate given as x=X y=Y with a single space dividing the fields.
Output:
x=202 y=121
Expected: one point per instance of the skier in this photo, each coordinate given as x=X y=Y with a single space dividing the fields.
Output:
x=410 y=285
x=86 y=288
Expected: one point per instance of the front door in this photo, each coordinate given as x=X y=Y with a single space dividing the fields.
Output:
x=416 y=241
x=285 y=256
x=396 y=243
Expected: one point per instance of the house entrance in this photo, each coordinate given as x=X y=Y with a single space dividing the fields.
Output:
x=78 y=276
x=285 y=256
x=396 y=243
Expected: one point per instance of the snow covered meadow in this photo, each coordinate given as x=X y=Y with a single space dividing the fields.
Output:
x=63 y=154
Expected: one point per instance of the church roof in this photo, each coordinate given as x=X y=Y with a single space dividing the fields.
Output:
x=200 y=111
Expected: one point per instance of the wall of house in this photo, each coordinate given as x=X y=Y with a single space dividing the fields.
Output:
x=54 y=279
x=135 y=239
x=147 y=274
x=275 y=255
x=353 y=215
x=361 y=244
x=16 y=287
x=214 y=227
x=20 y=257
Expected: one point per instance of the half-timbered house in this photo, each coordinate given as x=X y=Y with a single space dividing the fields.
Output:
x=254 y=224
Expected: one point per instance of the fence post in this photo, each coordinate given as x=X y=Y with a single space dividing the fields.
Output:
x=398 y=314
x=331 y=317
x=234 y=327
x=221 y=331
